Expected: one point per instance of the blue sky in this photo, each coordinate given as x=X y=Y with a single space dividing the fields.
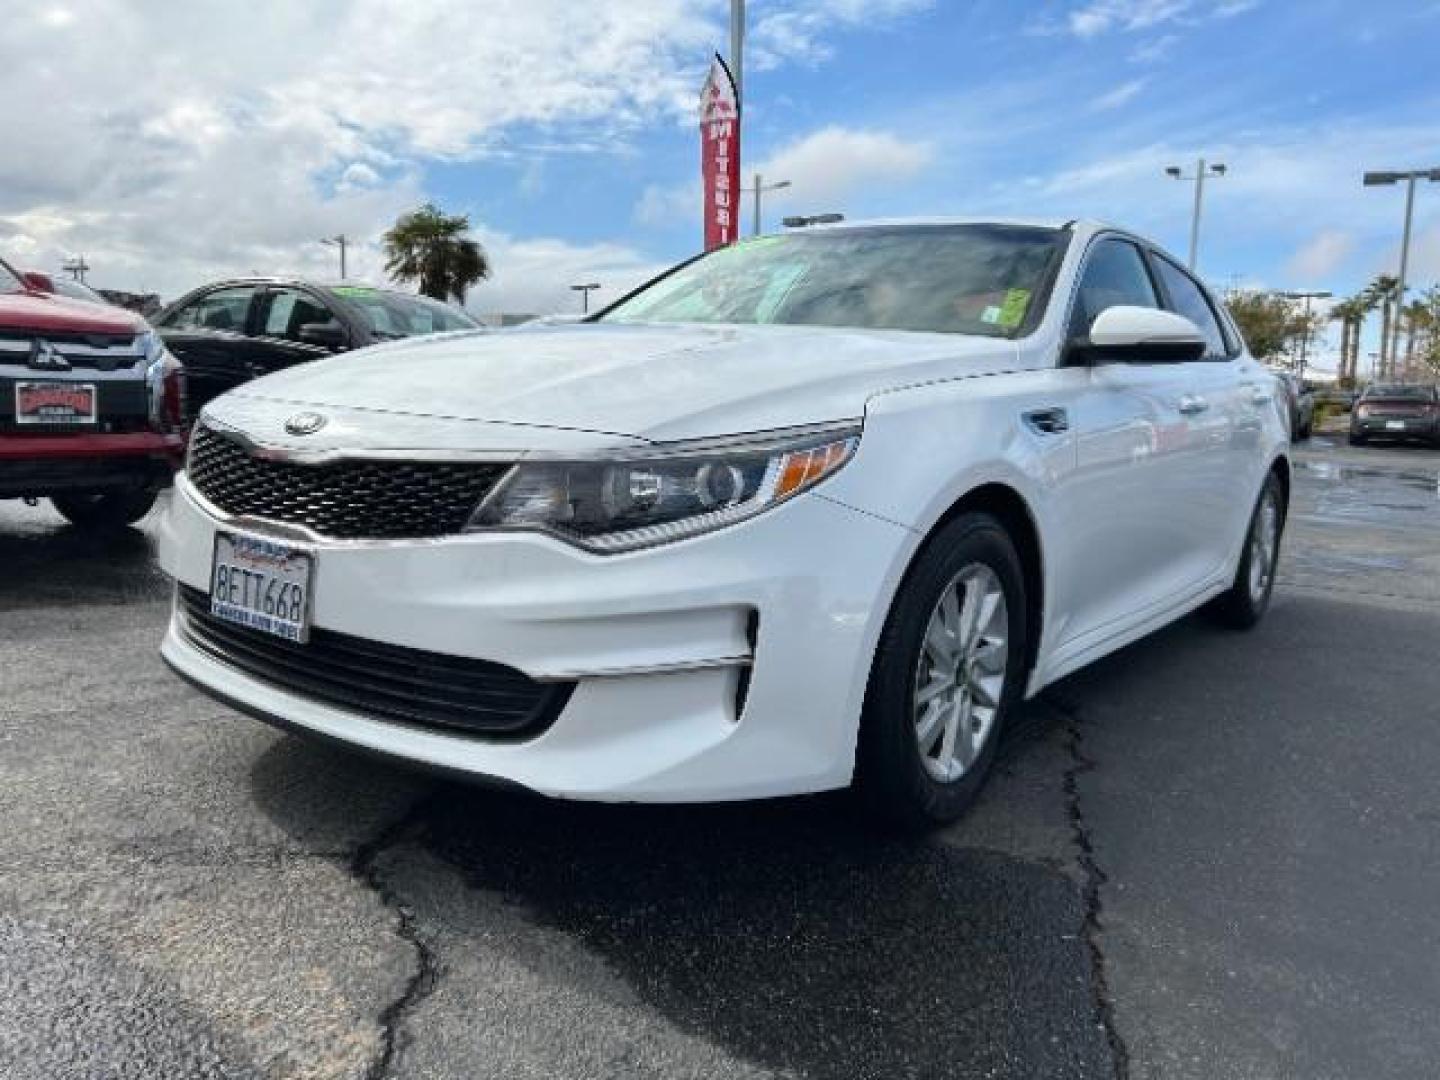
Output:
x=567 y=132
x=1028 y=109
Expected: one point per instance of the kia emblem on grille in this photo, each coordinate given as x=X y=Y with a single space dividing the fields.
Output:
x=305 y=423
x=45 y=357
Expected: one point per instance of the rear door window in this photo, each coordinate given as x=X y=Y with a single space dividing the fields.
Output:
x=220 y=309
x=285 y=311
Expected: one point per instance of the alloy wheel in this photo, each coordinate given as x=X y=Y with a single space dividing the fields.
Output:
x=1264 y=542
x=960 y=676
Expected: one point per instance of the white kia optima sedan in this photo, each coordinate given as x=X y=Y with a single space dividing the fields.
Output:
x=814 y=509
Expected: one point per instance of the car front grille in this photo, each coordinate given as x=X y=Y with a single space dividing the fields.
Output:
x=346 y=499
x=386 y=682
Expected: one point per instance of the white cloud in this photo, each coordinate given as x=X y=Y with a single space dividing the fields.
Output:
x=823 y=168
x=1121 y=95
x=1152 y=52
x=1092 y=18
x=535 y=275
x=834 y=162
x=303 y=120
x=1321 y=256
x=797 y=31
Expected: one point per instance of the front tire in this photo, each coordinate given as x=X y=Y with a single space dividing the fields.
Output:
x=948 y=669
x=113 y=510
x=1248 y=598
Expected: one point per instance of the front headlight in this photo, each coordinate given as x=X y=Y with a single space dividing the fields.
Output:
x=633 y=502
x=165 y=384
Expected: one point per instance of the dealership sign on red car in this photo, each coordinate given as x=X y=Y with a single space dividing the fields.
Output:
x=720 y=155
x=54 y=403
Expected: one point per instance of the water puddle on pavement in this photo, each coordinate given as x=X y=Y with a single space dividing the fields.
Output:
x=1372 y=494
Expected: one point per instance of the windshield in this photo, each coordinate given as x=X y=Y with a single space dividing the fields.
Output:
x=9 y=280
x=956 y=279
x=1421 y=392
x=76 y=291
x=395 y=315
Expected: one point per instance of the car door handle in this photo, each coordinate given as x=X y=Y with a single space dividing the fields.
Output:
x=1191 y=404
x=1053 y=421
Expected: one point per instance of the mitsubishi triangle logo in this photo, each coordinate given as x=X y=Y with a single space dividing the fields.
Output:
x=45 y=357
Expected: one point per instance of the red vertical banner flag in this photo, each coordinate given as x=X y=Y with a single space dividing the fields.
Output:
x=720 y=156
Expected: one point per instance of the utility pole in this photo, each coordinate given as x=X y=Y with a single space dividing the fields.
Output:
x=1305 y=336
x=340 y=240
x=759 y=189
x=1201 y=172
x=1391 y=348
x=76 y=268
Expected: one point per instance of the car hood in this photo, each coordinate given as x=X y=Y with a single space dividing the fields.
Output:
x=658 y=383
x=43 y=313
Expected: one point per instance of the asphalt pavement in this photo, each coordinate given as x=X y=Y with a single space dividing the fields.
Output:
x=1209 y=855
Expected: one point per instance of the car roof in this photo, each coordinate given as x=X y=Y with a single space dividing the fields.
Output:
x=900 y=222
x=309 y=283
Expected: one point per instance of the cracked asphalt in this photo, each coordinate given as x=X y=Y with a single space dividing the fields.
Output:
x=1209 y=855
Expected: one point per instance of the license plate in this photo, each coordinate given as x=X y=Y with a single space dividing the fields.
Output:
x=1394 y=425
x=262 y=584
x=54 y=403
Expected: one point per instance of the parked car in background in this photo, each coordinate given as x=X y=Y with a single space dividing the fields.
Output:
x=63 y=286
x=230 y=332
x=90 y=405
x=811 y=509
x=1301 y=401
x=1396 y=411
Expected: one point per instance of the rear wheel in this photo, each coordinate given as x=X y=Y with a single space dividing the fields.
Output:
x=949 y=666
x=1243 y=605
x=112 y=510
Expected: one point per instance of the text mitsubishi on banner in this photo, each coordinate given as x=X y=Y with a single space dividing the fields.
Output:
x=720 y=155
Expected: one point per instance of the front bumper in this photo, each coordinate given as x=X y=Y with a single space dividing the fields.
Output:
x=39 y=465
x=728 y=666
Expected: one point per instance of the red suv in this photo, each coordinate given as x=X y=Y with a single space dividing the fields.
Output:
x=90 y=405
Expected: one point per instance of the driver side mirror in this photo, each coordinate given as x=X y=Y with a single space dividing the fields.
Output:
x=35 y=281
x=327 y=335
x=1140 y=335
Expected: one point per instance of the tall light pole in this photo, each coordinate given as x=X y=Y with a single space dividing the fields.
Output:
x=1201 y=172
x=1383 y=179
x=759 y=188
x=585 y=290
x=340 y=240
x=1305 y=337
x=737 y=49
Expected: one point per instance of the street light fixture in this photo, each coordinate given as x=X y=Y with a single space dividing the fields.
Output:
x=1319 y=294
x=1202 y=171
x=1384 y=179
x=759 y=188
x=585 y=290
x=340 y=240
x=804 y=222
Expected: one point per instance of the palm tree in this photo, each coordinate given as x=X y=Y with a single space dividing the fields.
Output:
x=430 y=247
x=1381 y=293
x=1350 y=313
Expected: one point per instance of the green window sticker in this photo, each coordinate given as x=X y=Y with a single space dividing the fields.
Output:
x=1012 y=312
